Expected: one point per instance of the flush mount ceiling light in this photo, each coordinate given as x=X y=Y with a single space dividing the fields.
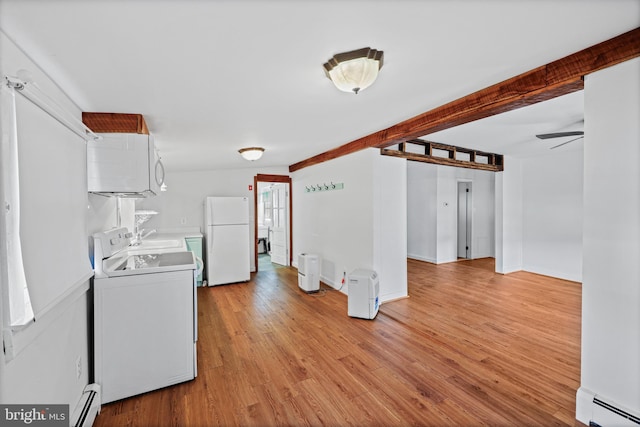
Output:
x=251 y=153
x=355 y=70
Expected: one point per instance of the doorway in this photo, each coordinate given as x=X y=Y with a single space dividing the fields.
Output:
x=465 y=216
x=273 y=228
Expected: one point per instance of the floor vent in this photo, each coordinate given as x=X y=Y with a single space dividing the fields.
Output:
x=88 y=408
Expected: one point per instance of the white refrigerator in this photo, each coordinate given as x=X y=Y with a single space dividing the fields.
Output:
x=227 y=239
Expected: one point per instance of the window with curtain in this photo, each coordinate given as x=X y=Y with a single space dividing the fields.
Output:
x=45 y=197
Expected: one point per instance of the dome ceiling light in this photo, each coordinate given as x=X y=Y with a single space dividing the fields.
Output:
x=355 y=70
x=251 y=153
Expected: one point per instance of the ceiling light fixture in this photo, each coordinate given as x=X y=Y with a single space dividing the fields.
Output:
x=355 y=70
x=251 y=153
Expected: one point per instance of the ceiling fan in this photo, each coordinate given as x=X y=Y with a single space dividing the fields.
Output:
x=578 y=133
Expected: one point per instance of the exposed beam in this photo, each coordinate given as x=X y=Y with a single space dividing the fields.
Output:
x=495 y=162
x=549 y=81
x=115 y=122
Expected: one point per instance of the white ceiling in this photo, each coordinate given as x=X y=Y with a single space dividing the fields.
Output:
x=514 y=133
x=211 y=77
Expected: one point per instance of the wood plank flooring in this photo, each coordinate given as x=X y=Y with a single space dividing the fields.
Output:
x=469 y=347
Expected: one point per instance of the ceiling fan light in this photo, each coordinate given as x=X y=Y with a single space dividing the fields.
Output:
x=355 y=70
x=251 y=153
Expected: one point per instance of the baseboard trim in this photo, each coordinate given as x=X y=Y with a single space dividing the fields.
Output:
x=421 y=258
x=552 y=273
x=509 y=269
x=393 y=299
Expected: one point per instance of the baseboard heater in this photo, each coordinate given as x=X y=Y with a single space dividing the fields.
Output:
x=88 y=407
x=605 y=414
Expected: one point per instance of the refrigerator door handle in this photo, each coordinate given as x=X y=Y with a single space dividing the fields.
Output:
x=210 y=241
x=195 y=309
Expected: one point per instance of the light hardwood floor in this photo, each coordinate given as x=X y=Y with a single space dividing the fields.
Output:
x=469 y=347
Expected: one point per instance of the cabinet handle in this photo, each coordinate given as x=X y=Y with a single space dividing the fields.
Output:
x=161 y=180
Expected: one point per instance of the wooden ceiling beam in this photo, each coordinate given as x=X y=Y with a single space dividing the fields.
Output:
x=549 y=81
x=115 y=123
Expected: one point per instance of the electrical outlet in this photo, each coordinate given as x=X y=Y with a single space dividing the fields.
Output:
x=79 y=367
x=183 y=220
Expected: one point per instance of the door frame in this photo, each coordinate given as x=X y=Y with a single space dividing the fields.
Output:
x=271 y=178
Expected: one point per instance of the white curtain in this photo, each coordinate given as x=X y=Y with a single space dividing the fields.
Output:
x=19 y=304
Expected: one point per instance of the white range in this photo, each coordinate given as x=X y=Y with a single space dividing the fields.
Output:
x=145 y=315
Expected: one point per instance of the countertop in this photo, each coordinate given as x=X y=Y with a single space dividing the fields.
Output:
x=175 y=233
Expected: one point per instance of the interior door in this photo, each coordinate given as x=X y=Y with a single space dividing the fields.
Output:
x=464 y=220
x=279 y=239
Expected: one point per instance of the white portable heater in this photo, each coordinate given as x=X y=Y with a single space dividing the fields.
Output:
x=309 y=272
x=363 y=296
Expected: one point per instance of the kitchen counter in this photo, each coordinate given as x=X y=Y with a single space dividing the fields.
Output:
x=175 y=233
x=160 y=244
x=172 y=239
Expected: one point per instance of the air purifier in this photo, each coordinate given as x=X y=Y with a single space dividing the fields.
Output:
x=309 y=272
x=363 y=294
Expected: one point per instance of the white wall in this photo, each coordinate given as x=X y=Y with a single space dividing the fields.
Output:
x=539 y=214
x=182 y=205
x=483 y=208
x=447 y=214
x=337 y=225
x=390 y=225
x=422 y=213
x=432 y=200
x=45 y=370
x=611 y=240
x=552 y=213
x=508 y=208
x=349 y=228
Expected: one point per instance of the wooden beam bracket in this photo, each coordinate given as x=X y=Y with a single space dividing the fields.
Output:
x=452 y=157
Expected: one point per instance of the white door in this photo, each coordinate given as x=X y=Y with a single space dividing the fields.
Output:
x=279 y=238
